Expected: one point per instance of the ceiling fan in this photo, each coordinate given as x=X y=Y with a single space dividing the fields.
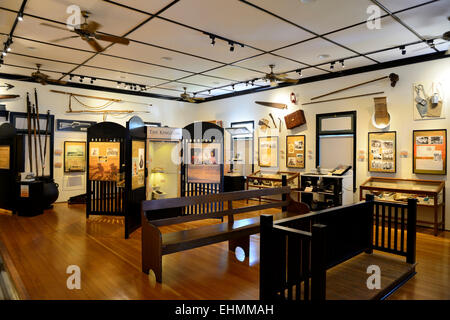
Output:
x=88 y=32
x=43 y=78
x=186 y=97
x=274 y=78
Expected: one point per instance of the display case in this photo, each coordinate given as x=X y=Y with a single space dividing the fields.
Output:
x=429 y=194
x=261 y=180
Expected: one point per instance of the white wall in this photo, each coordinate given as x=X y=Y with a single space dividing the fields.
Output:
x=170 y=113
x=400 y=107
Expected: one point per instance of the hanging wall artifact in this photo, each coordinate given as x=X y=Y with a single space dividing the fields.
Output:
x=295 y=119
x=381 y=118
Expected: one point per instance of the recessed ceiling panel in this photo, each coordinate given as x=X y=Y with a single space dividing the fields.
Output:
x=235 y=73
x=348 y=64
x=237 y=21
x=308 y=72
x=207 y=81
x=397 y=5
x=11 y=4
x=31 y=62
x=113 y=19
x=118 y=64
x=430 y=20
x=41 y=50
x=261 y=63
x=26 y=71
x=185 y=40
x=319 y=16
x=363 y=40
x=152 y=6
x=309 y=52
x=180 y=87
x=6 y=20
x=122 y=77
x=163 y=57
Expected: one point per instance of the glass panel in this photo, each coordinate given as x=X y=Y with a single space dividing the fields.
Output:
x=404 y=185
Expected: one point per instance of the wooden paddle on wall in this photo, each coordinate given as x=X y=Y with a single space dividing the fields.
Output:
x=8 y=96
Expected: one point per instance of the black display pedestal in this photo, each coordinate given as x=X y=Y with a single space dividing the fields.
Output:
x=29 y=198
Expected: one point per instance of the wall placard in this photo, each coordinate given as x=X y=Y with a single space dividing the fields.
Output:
x=268 y=151
x=104 y=161
x=382 y=152
x=5 y=154
x=74 y=156
x=137 y=164
x=295 y=149
x=430 y=151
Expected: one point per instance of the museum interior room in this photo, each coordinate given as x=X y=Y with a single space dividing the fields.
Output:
x=224 y=150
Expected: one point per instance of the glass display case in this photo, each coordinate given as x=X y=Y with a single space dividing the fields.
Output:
x=261 y=180
x=429 y=194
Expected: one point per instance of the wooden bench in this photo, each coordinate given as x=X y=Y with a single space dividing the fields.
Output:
x=325 y=255
x=237 y=232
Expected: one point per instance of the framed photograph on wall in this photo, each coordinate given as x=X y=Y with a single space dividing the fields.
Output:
x=430 y=151
x=382 y=153
x=295 y=151
x=74 y=156
x=104 y=161
x=268 y=151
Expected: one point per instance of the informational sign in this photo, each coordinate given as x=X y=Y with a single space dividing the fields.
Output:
x=74 y=156
x=104 y=161
x=137 y=164
x=24 y=191
x=430 y=151
x=4 y=157
x=295 y=152
x=268 y=152
x=163 y=133
x=382 y=151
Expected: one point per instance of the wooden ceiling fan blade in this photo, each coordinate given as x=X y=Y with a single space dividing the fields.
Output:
x=56 y=81
x=92 y=26
x=113 y=39
x=62 y=39
x=289 y=80
x=54 y=26
x=94 y=44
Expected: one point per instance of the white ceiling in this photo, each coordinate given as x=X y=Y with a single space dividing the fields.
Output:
x=173 y=50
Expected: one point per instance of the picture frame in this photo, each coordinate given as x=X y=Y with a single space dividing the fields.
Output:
x=295 y=151
x=74 y=156
x=430 y=151
x=382 y=152
x=268 y=151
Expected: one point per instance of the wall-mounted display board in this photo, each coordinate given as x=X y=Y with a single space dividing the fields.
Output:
x=202 y=170
x=430 y=151
x=295 y=151
x=104 y=161
x=382 y=152
x=5 y=154
x=137 y=164
x=74 y=156
x=429 y=101
x=268 y=151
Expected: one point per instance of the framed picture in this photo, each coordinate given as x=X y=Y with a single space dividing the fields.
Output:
x=73 y=125
x=74 y=156
x=295 y=151
x=204 y=160
x=430 y=151
x=104 y=161
x=268 y=151
x=5 y=154
x=382 y=152
x=137 y=164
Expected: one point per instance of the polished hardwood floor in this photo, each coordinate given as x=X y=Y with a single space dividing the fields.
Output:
x=38 y=250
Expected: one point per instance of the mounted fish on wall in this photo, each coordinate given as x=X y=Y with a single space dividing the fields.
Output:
x=429 y=101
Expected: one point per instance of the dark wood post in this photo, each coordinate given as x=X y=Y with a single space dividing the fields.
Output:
x=411 y=231
x=284 y=195
x=370 y=199
x=318 y=262
x=265 y=265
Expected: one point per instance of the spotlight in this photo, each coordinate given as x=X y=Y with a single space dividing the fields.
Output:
x=342 y=64
x=20 y=16
x=118 y=85
x=253 y=82
x=209 y=91
x=81 y=78
x=430 y=43
x=92 y=80
x=232 y=86
x=332 y=65
x=213 y=40
x=299 y=71
x=4 y=53
x=70 y=77
x=403 y=49
x=231 y=43
x=9 y=49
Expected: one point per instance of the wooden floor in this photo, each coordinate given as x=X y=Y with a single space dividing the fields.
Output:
x=38 y=250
